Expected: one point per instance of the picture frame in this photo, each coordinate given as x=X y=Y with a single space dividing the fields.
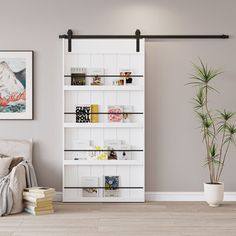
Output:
x=16 y=84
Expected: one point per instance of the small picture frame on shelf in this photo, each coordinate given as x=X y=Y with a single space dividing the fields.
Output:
x=119 y=82
x=78 y=76
x=126 y=75
x=127 y=117
x=97 y=80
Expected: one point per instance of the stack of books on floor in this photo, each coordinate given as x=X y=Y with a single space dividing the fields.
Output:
x=38 y=200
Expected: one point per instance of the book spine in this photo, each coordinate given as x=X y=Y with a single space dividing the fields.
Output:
x=94 y=117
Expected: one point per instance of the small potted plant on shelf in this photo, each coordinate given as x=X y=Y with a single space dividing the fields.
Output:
x=217 y=130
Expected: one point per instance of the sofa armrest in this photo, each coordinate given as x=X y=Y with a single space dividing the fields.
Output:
x=17 y=185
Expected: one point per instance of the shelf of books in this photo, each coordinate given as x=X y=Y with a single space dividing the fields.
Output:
x=103 y=121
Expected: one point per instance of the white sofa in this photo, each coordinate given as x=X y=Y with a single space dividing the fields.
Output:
x=17 y=148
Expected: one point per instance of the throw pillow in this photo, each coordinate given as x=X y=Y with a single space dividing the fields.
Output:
x=4 y=166
x=15 y=161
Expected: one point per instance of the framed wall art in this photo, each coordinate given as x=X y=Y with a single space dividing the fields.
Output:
x=16 y=85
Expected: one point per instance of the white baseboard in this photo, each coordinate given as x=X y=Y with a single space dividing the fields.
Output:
x=171 y=196
x=58 y=197
x=184 y=196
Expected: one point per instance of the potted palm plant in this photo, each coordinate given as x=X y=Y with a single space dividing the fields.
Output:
x=217 y=130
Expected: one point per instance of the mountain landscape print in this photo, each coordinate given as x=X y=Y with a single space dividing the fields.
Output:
x=12 y=85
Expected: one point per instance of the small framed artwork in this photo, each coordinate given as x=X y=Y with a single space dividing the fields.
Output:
x=16 y=85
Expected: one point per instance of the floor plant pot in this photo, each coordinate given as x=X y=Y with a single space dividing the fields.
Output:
x=214 y=193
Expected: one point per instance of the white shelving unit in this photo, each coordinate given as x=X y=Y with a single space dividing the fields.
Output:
x=112 y=55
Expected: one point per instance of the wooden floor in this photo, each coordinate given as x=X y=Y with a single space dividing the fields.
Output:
x=159 y=218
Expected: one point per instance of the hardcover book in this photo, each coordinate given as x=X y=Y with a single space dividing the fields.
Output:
x=89 y=185
x=111 y=186
x=94 y=111
x=39 y=192
x=83 y=114
x=36 y=213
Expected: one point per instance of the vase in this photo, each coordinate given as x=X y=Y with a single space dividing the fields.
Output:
x=214 y=193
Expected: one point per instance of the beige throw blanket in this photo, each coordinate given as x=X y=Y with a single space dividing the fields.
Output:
x=6 y=195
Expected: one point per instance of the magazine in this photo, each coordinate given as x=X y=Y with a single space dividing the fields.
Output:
x=111 y=186
x=90 y=181
x=114 y=115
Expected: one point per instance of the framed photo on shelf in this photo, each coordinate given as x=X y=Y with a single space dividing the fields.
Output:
x=16 y=85
x=97 y=80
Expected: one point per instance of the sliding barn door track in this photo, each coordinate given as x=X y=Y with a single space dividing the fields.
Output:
x=137 y=36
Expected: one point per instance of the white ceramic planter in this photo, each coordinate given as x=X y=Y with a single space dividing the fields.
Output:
x=214 y=194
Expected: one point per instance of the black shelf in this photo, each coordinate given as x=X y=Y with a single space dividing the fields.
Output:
x=102 y=150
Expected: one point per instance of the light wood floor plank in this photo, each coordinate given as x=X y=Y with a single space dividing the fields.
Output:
x=126 y=219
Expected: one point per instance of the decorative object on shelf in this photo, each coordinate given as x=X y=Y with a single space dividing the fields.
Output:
x=114 y=146
x=94 y=113
x=126 y=74
x=114 y=115
x=83 y=114
x=92 y=183
x=101 y=155
x=78 y=76
x=112 y=155
x=111 y=186
x=16 y=85
x=217 y=129
x=125 y=155
x=127 y=116
x=119 y=82
x=97 y=80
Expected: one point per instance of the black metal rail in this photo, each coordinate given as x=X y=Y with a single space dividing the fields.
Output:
x=105 y=76
x=137 y=36
x=104 y=188
x=103 y=150
x=105 y=113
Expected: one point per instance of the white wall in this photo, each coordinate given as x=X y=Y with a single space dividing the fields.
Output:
x=174 y=150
